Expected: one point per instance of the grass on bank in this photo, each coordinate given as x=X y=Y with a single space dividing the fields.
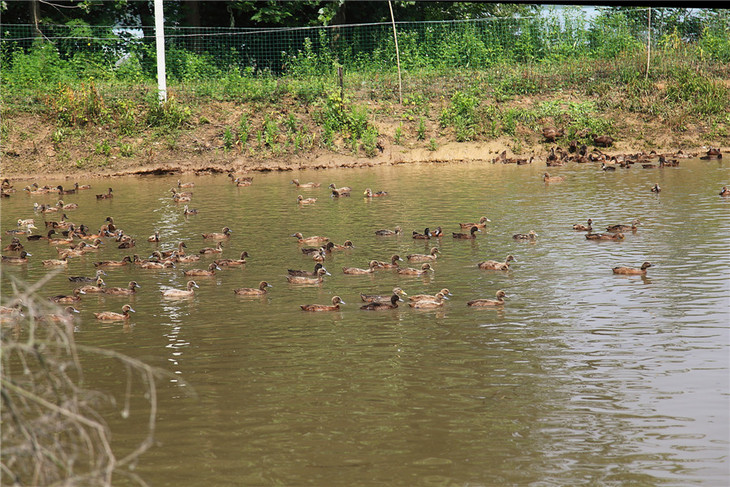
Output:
x=305 y=108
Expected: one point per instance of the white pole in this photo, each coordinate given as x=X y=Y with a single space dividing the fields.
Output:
x=160 y=44
x=397 y=54
x=648 y=46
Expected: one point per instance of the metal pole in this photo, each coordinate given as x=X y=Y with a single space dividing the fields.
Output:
x=160 y=44
x=648 y=46
x=397 y=54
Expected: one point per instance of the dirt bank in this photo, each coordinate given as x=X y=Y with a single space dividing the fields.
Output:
x=34 y=144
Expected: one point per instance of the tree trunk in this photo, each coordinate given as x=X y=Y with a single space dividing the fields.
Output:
x=35 y=14
x=192 y=13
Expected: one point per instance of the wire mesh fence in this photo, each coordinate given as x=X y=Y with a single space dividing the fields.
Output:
x=533 y=43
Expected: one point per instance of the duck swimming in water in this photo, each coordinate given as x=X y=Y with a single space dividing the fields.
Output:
x=605 y=236
x=111 y=316
x=409 y=271
x=313 y=240
x=303 y=273
x=378 y=306
x=393 y=264
x=309 y=281
x=357 y=271
x=531 y=235
x=426 y=235
x=467 y=236
x=485 y=303
x=305 y=201
x=253 y=291
x=386 y=232
x=16 y=259
x=496 y=265
x=482 y=223
x=632 y=271
x=429 y=297
x=430 y=257
x=437 y=302
x=335 y=306
x=225 y=233
x=181 y=293
x=123 y=291
x=382 y=298
x=584 y=228
x=304 y=185
x=232 y=262
x=210 y=271
x=370 y=194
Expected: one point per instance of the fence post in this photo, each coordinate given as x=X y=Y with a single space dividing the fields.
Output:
x=397 y=54
x=648 y=46
x=160 y=44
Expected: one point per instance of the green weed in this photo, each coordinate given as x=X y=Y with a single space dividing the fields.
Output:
x=398 y=136
x=370 y=141
x=421 y=131
x=103 y=148
x=169 y=115
x=228 y=139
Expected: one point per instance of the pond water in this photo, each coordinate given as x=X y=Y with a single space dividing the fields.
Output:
x=583 y=377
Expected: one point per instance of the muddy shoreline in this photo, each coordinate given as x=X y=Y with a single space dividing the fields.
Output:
x=452 y=153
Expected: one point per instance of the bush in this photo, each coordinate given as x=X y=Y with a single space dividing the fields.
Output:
x=170 y=114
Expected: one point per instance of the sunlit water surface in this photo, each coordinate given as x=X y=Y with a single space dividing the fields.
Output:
x=583 y=378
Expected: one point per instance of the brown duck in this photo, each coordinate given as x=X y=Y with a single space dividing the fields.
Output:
x=437 y=302
x=429 y=297
x=482 y=223
x=123 y=291
x=378 y=306
x=393 y=264
x=313 y=240
x=430 y=257
x=386 y=232
x=632 y=271
x=16 y=259
x=584 y=228
x=358 y=271
x=308 y=281
x=335 y=306
x=111 y=316
x=210 y=271
x=426 y=235
x=253 y=291
x=105 y=196
x=409 y=271
x=552 y=179
x=313 y=273
x=181 y=293
x=382 y=298
x=304 y=185
x=605 y=236
x=467 y=236
x=232 y=262
x=552 y=133
x=496 y=265
x=531 y=236
x=218 y=249
x=623 y=228
x=603 y=141
x=486 y=303
x=225 y=233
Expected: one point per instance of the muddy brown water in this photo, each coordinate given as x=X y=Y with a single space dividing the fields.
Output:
x=581 y=378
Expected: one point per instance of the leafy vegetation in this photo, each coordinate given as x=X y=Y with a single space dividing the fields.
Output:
x=472 y=75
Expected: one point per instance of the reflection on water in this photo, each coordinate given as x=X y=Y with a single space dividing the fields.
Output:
x=581 y=378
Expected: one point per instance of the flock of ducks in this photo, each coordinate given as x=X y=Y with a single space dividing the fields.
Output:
x=75 y=241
